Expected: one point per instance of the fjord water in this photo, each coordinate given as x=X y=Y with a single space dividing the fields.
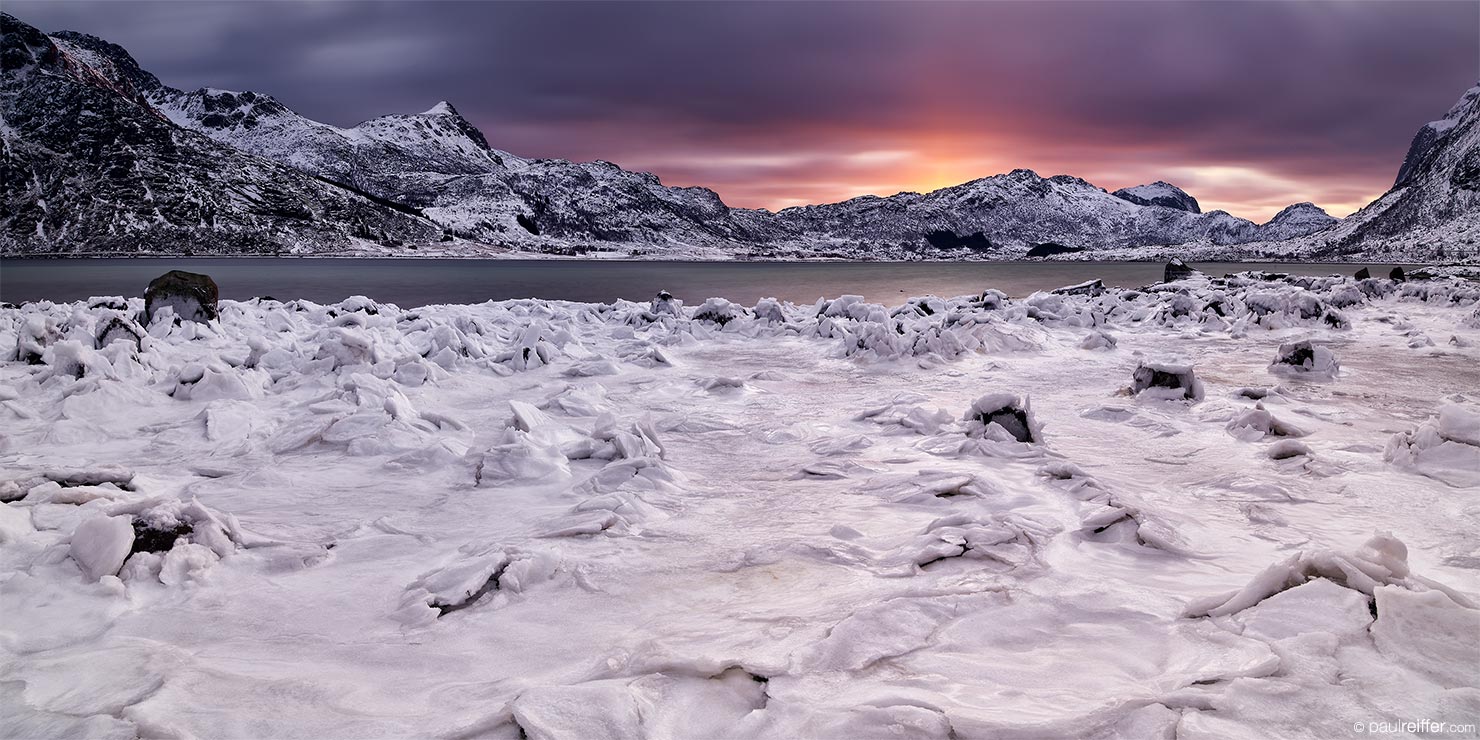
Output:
x=416 y=282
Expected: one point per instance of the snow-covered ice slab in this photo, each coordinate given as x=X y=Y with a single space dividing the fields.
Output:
x=1085 y=513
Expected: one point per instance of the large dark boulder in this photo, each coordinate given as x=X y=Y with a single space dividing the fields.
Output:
x=1363 y=274
x=1397 y=274
x=192 y=295
x=1177 y=270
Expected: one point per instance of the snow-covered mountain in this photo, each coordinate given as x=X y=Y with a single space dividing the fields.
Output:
x=226 y=171
x=1004 y=215
x=87 y=165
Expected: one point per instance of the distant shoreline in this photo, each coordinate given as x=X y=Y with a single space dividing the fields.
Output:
x=672 y=260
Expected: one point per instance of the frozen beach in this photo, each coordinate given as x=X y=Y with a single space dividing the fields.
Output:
x=1092 y=513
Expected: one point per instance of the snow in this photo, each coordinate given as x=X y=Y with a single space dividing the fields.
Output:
x=951 y=517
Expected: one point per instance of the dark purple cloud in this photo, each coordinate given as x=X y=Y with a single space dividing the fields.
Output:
x=1249 y=105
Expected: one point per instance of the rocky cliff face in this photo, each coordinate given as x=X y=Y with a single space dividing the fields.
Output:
x=100 y=156
x=87 y=165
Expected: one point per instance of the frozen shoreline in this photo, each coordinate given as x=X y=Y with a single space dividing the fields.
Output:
x=1155 y=258
x=579 y=520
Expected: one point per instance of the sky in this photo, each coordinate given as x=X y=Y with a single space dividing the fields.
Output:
x=1249 y=106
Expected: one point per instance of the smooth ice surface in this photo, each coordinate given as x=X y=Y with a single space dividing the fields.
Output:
x=703 y=518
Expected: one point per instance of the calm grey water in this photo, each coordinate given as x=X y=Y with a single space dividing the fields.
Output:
x=419 y=282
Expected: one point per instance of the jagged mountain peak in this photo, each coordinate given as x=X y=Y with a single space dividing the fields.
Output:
x=1160 y=193
x=109 y=60
x=441 y=121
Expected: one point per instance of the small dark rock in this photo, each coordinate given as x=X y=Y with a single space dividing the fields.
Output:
x=192 y=295
x=1363 y=274
x=1398 y=274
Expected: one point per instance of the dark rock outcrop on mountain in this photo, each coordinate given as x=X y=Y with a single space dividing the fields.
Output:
x=1049 y=249
x=99 y=156
x=87 y=165
x=1160 y=193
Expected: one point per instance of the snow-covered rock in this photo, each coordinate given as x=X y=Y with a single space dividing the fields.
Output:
x=1305 y=359
x=1166 y=381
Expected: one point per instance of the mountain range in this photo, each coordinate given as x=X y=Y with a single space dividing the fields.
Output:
x=97 y=156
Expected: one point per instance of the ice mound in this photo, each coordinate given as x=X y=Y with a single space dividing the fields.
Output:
x=36 y=333
x=1098 y=340
x=474 y=572
x=770 y=311
x=119 y=328
x=1110 y=516
x=1446 y=447
x=1167 y=382
x=994 y=542
x=718 y=311
x=1257 y=423
x=1286 y=449
x=1304 y=359
x=100 y=545
x=671 y=704
x=664 y=304
x=1003 y=417
x=1382 y=560
x=1430 y=632
x=908 y=411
